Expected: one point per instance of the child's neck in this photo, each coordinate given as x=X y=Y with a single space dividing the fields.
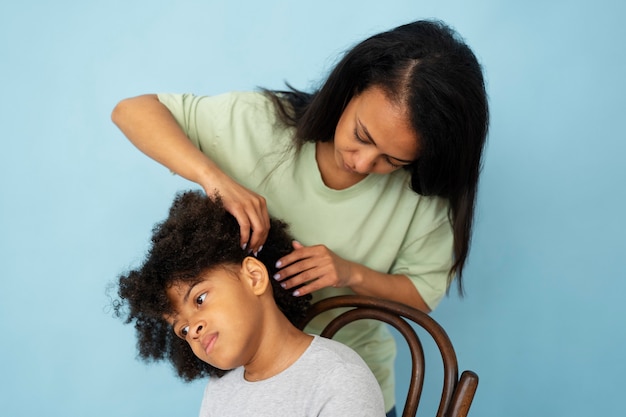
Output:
x=281 y=346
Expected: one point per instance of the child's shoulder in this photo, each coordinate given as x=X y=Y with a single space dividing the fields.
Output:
x=339 y=372
x=328 y=350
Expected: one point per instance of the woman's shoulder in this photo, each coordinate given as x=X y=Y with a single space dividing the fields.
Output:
x=246 y=97
x=230 y=101
x=255 y=106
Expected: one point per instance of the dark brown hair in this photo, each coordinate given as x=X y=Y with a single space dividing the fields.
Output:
x=198 y=235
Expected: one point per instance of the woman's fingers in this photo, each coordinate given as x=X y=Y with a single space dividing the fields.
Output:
x=259 y=223
x=310 y=268
x=250 y=211
x=254 y=223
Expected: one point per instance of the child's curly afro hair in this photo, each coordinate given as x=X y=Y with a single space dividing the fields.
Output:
x=199 y=234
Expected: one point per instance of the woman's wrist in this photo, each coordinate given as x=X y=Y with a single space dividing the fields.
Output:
x=209 y=176
x=357 y=277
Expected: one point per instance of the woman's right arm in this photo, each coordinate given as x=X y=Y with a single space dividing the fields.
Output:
x=150 y=126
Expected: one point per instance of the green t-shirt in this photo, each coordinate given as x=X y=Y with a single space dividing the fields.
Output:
x=378 y=222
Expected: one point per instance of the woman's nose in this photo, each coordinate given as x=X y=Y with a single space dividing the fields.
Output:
x=364 y=162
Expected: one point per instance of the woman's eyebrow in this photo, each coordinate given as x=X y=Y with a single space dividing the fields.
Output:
x=371 y=139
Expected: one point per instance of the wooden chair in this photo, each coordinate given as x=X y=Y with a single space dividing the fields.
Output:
x=457 y=393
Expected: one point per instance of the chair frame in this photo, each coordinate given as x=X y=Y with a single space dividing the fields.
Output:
x=457 y=393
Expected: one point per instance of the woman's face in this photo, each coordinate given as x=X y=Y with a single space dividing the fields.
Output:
x=374 y=135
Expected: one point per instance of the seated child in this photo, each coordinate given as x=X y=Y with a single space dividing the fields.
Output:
x=212 y=310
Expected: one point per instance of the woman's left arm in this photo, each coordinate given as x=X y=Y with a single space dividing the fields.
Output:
x=316 y=267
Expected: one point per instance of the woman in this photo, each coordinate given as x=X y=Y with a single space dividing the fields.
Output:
x=376 y=172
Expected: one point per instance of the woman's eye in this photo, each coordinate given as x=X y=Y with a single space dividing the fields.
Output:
x=201 y=298
x=184 y=331
x=390 y=162
x=358 y=138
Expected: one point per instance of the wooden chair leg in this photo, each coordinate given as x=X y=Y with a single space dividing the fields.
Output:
x=463 y=395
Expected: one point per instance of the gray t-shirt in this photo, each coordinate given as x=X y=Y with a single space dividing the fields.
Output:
x=328 y=380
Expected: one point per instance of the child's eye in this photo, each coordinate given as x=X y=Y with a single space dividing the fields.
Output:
x=201 y=298
x=184 y=331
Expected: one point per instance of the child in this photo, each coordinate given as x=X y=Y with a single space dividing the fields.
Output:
x=208 y=307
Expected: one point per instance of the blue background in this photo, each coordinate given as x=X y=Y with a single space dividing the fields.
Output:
x=543 y=319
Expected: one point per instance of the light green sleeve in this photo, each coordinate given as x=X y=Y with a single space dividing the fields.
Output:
x=237 y=130
x=199 y=126
x=426 y=258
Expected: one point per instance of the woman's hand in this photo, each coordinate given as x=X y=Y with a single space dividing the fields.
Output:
x=314 y=266
x=150 y=126
x=247 y=207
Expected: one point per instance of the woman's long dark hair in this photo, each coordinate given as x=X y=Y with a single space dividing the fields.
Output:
x=427 y=68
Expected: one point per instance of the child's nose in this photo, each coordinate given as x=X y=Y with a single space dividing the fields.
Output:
x=196 y=329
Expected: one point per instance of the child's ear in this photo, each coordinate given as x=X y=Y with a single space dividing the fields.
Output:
x=255 y=274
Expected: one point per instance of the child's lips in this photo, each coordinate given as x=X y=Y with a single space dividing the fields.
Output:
x=208 y=342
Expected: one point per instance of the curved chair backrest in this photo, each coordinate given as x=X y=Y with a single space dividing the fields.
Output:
x=457 y=393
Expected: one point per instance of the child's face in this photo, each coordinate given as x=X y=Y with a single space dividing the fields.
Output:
x=218 y=317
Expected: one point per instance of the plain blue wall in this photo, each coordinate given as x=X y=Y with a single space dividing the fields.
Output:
x=543 y=320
